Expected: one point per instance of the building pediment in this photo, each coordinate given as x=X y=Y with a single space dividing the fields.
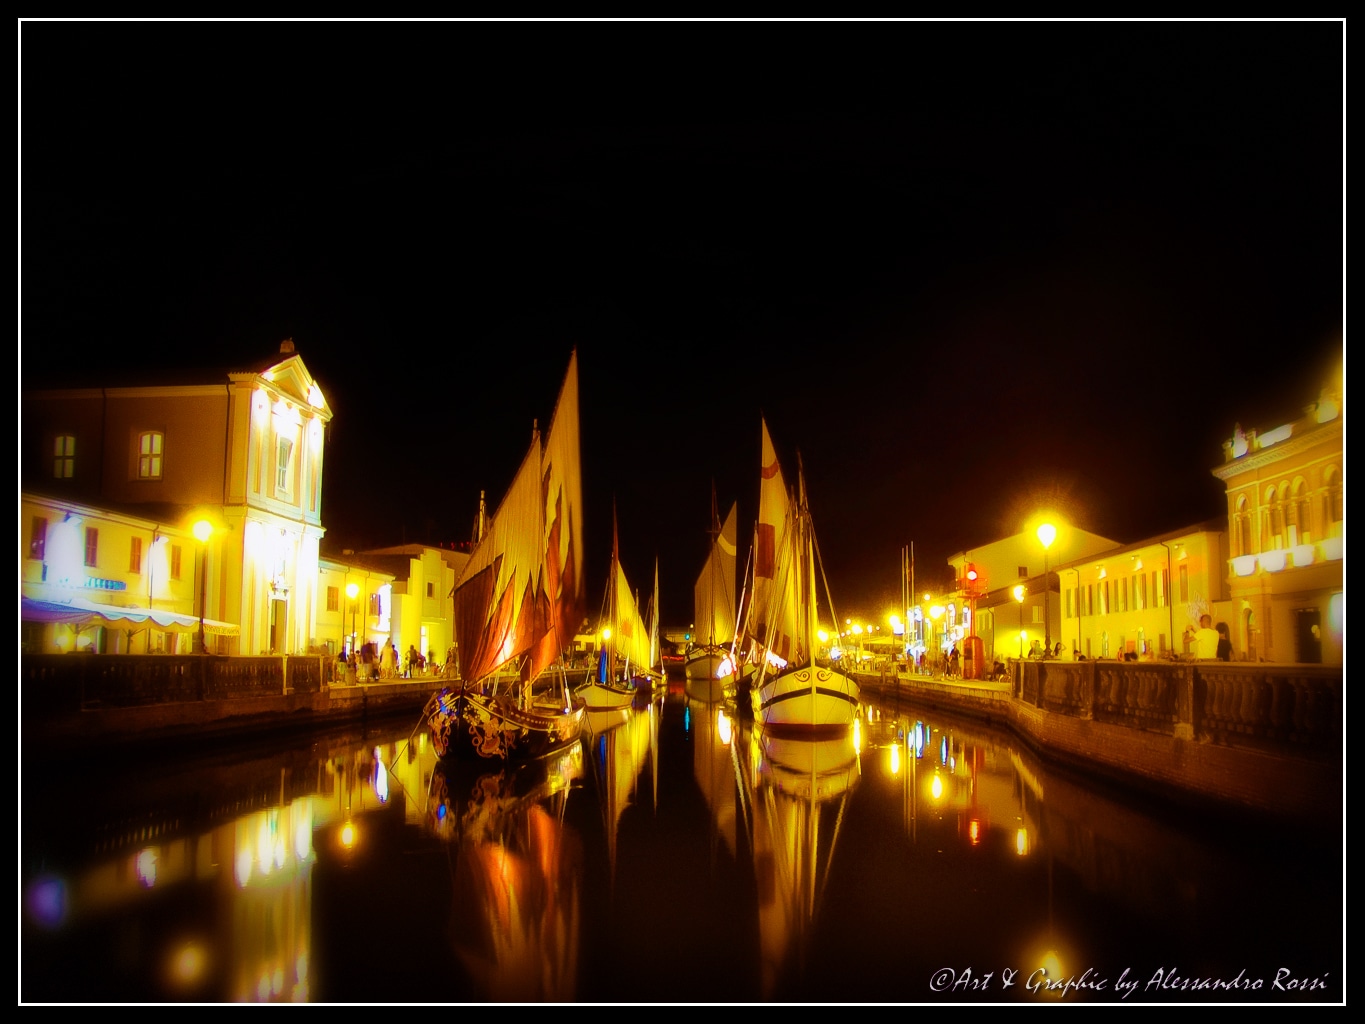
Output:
x=290 y=379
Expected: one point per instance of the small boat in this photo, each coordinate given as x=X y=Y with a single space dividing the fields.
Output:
x=517 y=606
x=623 y=655
x=790 y=689
x=709 y=669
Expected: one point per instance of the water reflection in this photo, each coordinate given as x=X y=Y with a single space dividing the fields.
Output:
x=797 y=791
x=676 y=855
x=515 y=911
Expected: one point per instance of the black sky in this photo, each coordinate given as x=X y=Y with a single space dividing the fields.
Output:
x=967 y=269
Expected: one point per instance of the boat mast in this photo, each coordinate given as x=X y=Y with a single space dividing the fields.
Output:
x=807 y=596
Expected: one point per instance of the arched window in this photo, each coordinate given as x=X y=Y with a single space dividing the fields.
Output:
x=1332 y=513
x=1300 y=515
x=1241 y=529
x=1272 y=522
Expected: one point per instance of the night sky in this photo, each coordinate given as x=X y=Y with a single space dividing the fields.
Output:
x=968 y=270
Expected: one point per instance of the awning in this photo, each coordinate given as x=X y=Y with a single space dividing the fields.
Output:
x=80 y=612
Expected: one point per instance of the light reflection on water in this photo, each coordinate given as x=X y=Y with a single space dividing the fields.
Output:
x=675 y=855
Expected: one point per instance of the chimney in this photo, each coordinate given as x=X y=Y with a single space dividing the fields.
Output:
x=287 y=347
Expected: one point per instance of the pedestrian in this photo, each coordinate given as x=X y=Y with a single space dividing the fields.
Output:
x=412 y=660
x=1224 y=642
x=954 y=664
x=1204 y=639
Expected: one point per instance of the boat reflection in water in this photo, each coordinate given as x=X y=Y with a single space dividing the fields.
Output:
x=618 y=744
x=714 y=729
x=799 y=790
x=516 y=871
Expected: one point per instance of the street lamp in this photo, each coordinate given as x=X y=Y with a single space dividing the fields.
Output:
x=1047 y=533
x=203 y=530
x=352 y=590
x=1019 y=592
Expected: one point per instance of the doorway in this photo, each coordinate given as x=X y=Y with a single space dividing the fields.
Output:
x=1308 y=636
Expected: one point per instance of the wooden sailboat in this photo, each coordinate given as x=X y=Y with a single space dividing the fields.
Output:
x=624 y=656
x=709 y=668
x=517 y=606
x=790 y=690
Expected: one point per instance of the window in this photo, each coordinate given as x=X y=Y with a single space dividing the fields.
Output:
x=149 y=445
x=431 y=590
x=64 y=457
x=175 y=561
x=1334 y=509
x=92 y=546
x=1184 y=585
x=1163 y=584
x=37 y=538
x=283 y=454
x=135 y=555
x=333 y=598
x=1140 y=597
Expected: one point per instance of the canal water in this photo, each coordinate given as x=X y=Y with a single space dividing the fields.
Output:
x=675 y=855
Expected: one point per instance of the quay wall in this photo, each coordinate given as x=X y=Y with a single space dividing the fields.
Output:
x=71 y=704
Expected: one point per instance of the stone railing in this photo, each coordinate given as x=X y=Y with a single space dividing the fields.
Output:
x=1272 y=707
x=53 y=684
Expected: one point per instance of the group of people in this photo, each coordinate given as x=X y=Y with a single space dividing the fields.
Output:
x=374 y=662
x=1210 y=642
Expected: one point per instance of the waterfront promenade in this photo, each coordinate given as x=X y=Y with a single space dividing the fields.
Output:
x=1260 y=737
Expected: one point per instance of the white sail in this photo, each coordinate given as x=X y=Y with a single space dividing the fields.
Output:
x=713 y=595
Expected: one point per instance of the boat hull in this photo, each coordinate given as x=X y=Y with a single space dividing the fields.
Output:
x=812 y=700
x=491 y=729
x=708 y=690
x=706 y=662
x=606 y=696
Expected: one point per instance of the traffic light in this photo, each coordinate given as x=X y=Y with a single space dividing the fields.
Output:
x=971 y=573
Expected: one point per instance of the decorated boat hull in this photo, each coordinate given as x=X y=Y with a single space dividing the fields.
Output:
x=813 y=699
x=492 y=729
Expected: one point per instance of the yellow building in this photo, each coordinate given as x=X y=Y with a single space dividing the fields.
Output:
x=1287 y=535
x=116 y=474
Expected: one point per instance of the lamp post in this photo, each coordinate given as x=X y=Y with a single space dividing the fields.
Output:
x=352 y=590
x=1047 y=533
x=1019 y=597
x=203 y=530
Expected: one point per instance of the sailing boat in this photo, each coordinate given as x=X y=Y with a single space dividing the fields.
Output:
x=517 y=606
x=790 y=689
x=624 y=656
x=710 y=662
